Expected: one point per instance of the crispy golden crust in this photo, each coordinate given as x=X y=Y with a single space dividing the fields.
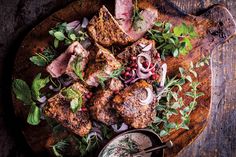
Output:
x=105 y=30
x=58 y=108
x=102 y=108
x=130 y=109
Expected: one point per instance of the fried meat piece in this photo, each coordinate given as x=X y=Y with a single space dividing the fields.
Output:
x=105 y=30
x=58 y=108
x=133 y=106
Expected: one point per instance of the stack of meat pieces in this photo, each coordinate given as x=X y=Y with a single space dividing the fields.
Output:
x=114 y=102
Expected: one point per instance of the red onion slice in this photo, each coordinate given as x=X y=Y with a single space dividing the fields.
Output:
x=43 y=99
x=72 y=25
x=149 y=98
x=142 y=45
x=147 y=48
x=148 y=58
x=143 y=75
x=122 y=128
x=55 y=89
x=85 y=22
x=163 y=75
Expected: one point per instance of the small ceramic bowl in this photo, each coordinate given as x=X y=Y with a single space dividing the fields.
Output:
x=154 y=140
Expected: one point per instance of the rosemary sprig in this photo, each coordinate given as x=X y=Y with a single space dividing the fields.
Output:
x=59 y=147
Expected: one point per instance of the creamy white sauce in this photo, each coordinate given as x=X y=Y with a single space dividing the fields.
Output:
x=119 y=147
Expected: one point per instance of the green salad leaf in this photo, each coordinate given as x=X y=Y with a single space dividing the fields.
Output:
x=42 y=59
x=37 y=85
x=22 y=91
x=34 y=115
x=75 y=98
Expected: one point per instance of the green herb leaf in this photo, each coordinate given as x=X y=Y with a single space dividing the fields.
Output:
x=22 y=91
x=163 y=133
x=191 y=94
x=59 y=36
x=76 y=104
x=56 y=43
x=70 y=93
x=38 y=60
x=37 y=85
x=76 y=66
x=189 y=78
x=59 y=147
x=72 y=37
x=34 y=115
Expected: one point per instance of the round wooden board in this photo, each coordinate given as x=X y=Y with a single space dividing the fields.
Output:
x=214 y=27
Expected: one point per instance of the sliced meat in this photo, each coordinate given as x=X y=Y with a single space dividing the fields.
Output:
x=60 y=65
x=130 y=104
x=58 y=108
x=105 y=64
x=124 y=13
x=102 y=109
x=77 y=61
x=105 y=30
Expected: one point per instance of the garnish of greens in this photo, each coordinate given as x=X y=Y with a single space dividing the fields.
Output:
x=76 y=66
x=205 y=60
x=62 y=34
x=137 y=19
x=44 y=58
x=115 y=74
x=59 y=147
x=85 y=144
x=75 y=98
x=172 y=41
x=30 y=96
x=171 y=104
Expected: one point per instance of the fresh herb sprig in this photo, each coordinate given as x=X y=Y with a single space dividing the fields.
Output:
x=205 y=60
x=59 y=147
x=42 y=59
x=61 y=33
x=115 y=74
x=75 y=98
x=76 y=66
x=30 y=96
x=171 y=104
x=174 y=41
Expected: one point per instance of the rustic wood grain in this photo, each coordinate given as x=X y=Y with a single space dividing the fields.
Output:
x=219 y=136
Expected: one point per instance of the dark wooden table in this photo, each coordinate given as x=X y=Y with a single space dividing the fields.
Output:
x=217 y=140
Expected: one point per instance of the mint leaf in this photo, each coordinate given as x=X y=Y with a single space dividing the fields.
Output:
x=59 y=36
x=22 y=91
x=76 y=66
x=34 y=115
x=56 y=43
x=37 y=85
x=76 y=104
x=38 y=60
x=70 y=93
x=72 y=37
x=163 y=133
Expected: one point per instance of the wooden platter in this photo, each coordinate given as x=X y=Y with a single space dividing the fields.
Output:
x=214 y=26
